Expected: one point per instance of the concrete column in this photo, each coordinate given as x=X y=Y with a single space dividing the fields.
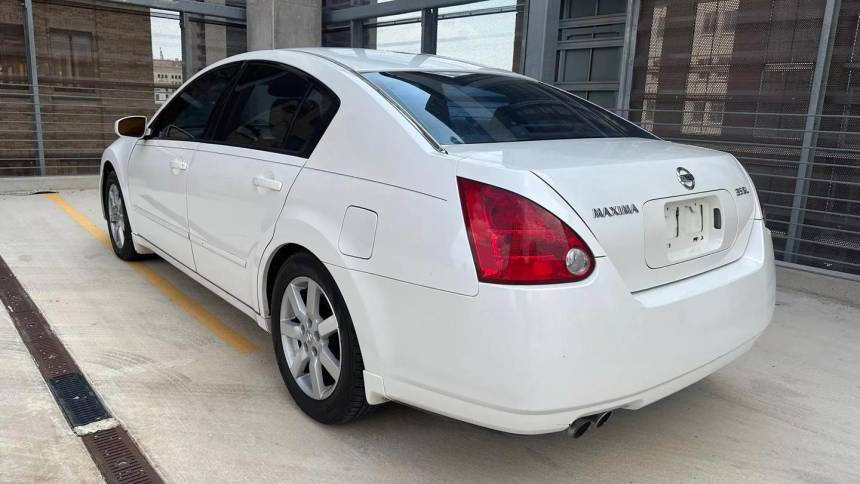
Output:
x=541 y=39
x=277 y=24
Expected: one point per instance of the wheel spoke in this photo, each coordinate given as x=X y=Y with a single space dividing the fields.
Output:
x=312 y=306
x=315 y=370
x=327 y=326
x=298 y=306
x=290 y=329
x=112 y=211
x=299 y=363
x=330 y=363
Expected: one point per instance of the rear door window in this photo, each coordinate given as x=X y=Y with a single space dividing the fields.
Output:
x=262 y=107
x=312 y=120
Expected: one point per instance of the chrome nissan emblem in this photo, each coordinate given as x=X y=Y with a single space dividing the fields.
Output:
x=686 y=178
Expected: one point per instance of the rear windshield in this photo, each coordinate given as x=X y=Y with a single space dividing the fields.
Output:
x=467 y=108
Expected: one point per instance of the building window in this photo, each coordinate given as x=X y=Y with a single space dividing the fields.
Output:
x=703 y=117
x=708 y=71
x=72 y=55
x=652 y=71
x=782 y=97
x=590 y=8
x=13 y=58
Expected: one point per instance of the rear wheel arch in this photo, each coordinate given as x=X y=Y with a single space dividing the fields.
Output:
x=276 y=261
x=342 y=397
x=279 y=257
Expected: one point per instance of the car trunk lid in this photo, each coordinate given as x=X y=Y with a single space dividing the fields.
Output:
x=631 y=194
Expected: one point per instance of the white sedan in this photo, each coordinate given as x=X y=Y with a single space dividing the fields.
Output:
x=457 y=238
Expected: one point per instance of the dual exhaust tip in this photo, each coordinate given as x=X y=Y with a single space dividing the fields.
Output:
x=582 y=425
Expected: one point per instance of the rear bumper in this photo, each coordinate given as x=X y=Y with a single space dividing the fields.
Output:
x=533 y=359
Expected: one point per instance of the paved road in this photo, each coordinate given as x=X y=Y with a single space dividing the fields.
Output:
x=203 y=412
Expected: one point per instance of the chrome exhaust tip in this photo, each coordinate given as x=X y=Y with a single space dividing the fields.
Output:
x=602 y=419
x=579 y=427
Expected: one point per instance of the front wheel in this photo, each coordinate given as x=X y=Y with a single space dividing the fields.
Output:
x=118 y=226
x=315 y=343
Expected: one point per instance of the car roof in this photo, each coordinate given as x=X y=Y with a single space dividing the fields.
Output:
x=370 y=60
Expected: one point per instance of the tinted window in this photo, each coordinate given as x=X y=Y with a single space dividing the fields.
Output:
x=487 y=108
x=262 y=106
x=313 y=118
x=186 y=116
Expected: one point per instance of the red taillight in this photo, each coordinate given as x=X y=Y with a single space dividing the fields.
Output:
x=516 y=241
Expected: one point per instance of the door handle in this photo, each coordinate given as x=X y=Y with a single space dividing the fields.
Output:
x=178 y=165
x=268 y=183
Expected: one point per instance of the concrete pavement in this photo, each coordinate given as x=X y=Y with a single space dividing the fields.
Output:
x=788 y=411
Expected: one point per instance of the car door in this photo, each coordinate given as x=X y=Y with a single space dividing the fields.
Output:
x=158 y=166
x=238 y=182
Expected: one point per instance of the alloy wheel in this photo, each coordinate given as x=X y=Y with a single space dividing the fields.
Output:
x=310 y=337
x=116 y=216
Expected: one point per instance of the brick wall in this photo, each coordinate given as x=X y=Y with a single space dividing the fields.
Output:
x=78 y=106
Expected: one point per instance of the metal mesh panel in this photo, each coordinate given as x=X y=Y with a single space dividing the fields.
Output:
x=738 y=76
x=831 y=219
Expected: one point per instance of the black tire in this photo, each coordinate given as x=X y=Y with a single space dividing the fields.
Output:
x=347 y=401
x=124 y=248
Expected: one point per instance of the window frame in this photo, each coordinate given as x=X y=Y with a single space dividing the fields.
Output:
x=73 y=78
x=11 y=55
x=313 y=82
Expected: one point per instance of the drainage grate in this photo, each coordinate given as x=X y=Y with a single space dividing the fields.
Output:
x=114 y=452
x=51 y=357
x=118 y=458
x=17 y=303
x=77 y=399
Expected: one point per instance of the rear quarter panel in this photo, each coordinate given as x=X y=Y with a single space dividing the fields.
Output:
x=370 y=157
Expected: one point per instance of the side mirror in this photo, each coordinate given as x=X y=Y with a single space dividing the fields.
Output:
x=134 y=126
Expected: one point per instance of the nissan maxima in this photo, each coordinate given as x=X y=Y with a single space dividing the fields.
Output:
x=458 y=238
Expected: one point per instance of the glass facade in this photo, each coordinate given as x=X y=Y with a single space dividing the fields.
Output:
x=95 y=62
x=484 y=33
x=488 y=32
x=400 y=33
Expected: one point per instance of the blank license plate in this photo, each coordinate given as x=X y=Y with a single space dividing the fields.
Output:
x=686 y=220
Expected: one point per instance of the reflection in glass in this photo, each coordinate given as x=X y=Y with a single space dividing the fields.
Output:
x=400 y=37
x=484 y=39
x=473 y=107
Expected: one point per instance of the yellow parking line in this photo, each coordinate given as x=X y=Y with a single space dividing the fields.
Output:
x=195 y=310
